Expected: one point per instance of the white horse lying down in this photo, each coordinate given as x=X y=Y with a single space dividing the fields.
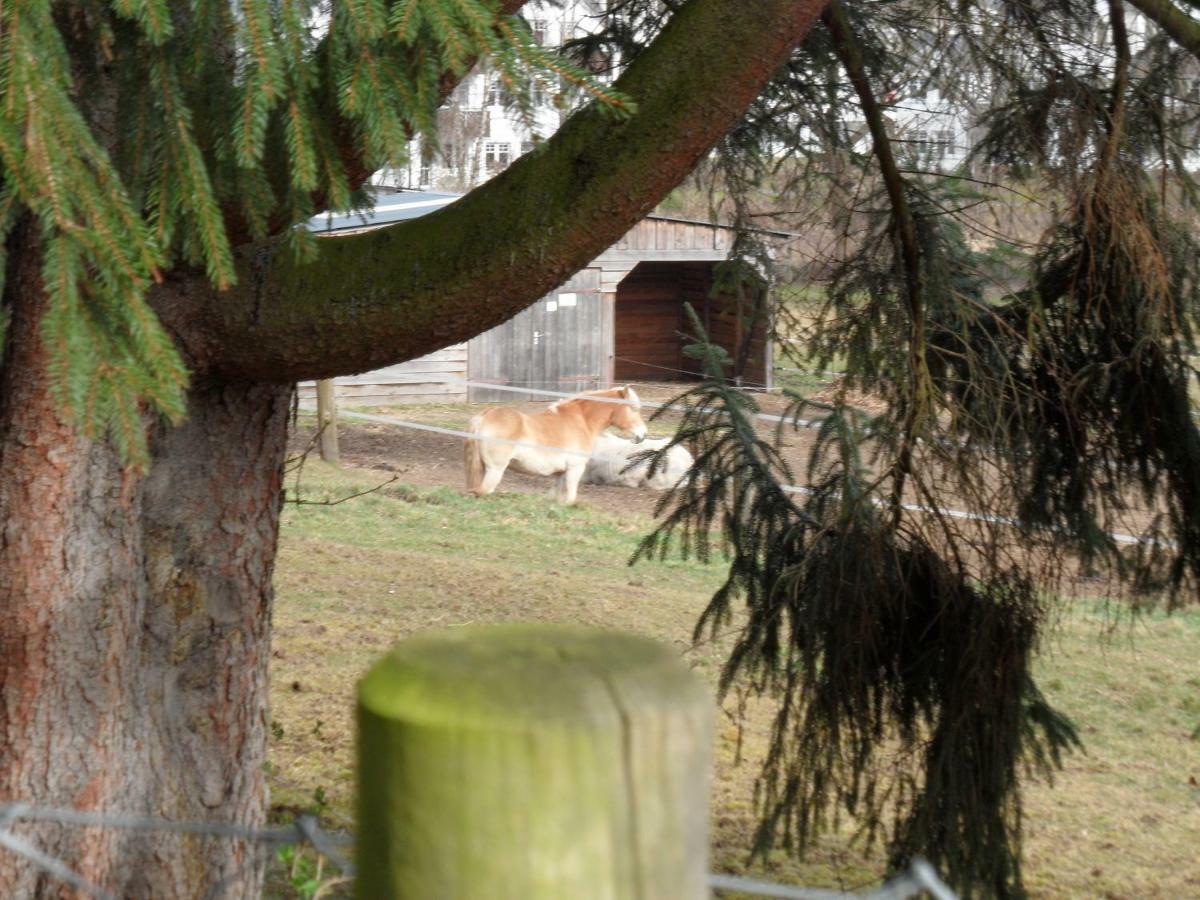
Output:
x=611 y=456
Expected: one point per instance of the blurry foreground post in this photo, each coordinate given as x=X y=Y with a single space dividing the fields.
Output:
x=327 y=420
x=533 y=761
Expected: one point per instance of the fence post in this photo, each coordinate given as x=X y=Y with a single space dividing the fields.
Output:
x=327 y=420
x=533 y=761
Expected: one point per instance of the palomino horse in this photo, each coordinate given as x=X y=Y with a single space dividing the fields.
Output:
x=568 y=425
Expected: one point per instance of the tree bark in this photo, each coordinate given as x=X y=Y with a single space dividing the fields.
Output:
x=135 y=607
x=134 y=625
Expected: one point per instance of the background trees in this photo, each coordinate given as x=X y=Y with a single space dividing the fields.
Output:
x=158 y=304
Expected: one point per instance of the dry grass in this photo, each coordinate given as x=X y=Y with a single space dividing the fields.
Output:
x=1122 y=821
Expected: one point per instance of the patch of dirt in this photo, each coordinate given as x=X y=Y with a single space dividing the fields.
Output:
x=428 y=459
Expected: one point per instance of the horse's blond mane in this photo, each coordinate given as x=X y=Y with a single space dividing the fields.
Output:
x=612 y=393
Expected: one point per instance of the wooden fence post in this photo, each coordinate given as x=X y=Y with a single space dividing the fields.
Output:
x=533 y=761
x=327 y=420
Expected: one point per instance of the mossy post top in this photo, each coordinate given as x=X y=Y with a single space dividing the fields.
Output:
x=509 y=675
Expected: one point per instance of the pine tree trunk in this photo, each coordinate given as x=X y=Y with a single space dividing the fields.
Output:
x=134 y=626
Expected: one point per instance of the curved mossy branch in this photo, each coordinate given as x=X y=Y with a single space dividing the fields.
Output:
x=395 y=293
x=1179 y=25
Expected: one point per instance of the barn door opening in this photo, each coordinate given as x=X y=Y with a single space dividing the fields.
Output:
x=651 y=326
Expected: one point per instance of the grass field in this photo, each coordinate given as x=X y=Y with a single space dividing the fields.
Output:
x=1122 y=821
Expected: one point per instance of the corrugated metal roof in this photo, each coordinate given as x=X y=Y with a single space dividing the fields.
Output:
x=398 y=206
x=389 y=208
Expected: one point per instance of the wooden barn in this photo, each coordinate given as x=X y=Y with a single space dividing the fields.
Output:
x=619 y=319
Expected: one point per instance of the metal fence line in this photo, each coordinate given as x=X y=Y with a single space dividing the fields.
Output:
x=542 y=392
x=920 y=876
x=756 y=386
x=757 y=888
x=305 y=830
x=487 y=439
x=828 y=372
x=1119 y=537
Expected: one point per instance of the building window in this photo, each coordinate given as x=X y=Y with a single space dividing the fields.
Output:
x=495 y=92
x=935 y=145
x=461 y=97
x=541 y=30
x=425 y=176
x=495 y=155
x=527 y=147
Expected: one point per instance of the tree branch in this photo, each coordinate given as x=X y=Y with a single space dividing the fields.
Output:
x=350 y=149
x=1179 y=25
x=849 y=54
x=1116 y=112
x=395 y=293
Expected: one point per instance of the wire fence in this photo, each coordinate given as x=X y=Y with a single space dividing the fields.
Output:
x=542 y=392
x=919 y=879
x=304 y=831
x=988 y=518
x=742 y=382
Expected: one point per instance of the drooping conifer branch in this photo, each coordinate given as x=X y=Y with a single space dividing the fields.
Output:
x=904 y=230
x=357 y=168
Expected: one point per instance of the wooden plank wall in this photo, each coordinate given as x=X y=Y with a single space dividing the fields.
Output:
x=695 y=282
x=402 y=383
x=726 y=327
x=558 y=344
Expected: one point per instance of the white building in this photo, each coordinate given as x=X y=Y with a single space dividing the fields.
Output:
x=479 y=134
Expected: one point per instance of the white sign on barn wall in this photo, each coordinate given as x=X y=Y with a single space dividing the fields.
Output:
x=567 y=300
x=551 y=306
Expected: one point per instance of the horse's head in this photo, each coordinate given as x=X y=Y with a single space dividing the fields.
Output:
x=627 y=417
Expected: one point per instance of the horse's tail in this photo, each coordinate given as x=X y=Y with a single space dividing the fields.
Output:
x=473 y=450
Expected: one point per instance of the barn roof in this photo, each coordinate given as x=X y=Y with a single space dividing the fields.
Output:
x=400 y=205
x=389 y=208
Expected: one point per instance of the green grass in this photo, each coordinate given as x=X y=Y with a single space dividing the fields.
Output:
x=1122 y=821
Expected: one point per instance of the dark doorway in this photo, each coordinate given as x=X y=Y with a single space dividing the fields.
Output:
x=650 y=321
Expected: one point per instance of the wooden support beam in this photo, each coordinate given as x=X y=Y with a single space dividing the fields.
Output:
x=327 y=420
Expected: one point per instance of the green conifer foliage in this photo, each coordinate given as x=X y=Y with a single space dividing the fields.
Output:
x=230 y=119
